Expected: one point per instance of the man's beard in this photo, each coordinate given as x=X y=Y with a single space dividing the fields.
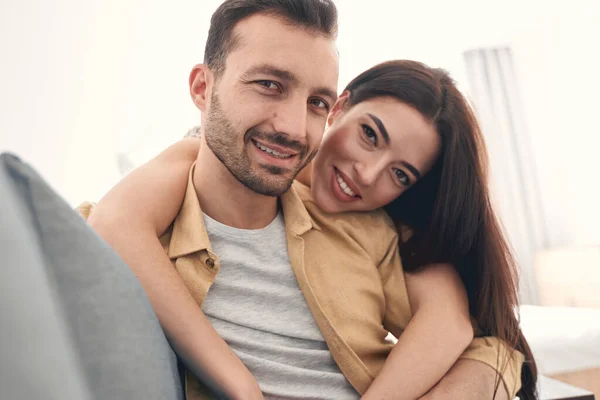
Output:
x=223 y=141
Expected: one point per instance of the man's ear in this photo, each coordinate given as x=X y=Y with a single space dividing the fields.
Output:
x=338 y=107
x=201 y=81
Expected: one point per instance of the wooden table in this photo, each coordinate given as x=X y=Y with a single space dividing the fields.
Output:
x=551 y=389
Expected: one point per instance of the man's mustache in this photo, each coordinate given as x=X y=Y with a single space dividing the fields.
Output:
x=277 y=138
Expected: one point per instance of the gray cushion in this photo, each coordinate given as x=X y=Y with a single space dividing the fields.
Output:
x=74 y=321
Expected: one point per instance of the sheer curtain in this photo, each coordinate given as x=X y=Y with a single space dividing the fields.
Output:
x=494 y=91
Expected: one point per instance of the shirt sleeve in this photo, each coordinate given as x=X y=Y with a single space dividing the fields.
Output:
x=85 y=209
x=398 y=311
x=506 y=361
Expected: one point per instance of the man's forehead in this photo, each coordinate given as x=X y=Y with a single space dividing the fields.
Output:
x=263 y=40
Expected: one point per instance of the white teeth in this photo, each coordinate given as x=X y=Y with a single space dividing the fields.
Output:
x=344 y=185
x=271 y=151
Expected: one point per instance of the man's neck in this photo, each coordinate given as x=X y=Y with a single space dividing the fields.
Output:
x=223 y=198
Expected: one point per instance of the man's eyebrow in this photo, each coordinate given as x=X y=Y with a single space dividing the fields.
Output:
x=326 y=92
x=268 y=69
x=412 y=169
x=285 y=75
x=382 y=129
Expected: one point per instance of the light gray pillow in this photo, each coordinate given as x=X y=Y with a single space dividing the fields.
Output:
x=74 y=321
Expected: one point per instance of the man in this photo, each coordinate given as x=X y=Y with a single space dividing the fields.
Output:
x=277 y=59
x=269 y=76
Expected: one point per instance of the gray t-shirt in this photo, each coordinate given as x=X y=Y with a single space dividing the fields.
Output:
x=256 y=305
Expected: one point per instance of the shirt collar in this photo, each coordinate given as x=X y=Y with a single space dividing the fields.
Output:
x=297 y=218
x=189 y=232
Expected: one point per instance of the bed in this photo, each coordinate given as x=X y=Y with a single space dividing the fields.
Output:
x=565 y=342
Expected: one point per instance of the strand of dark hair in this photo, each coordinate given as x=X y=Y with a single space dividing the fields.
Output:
x=318 y=16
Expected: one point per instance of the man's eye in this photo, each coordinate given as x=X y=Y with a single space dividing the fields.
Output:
x=268 y=84
x=319 y=104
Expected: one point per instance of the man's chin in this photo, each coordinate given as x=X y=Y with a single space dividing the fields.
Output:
x=268 y=186
x=268 y=189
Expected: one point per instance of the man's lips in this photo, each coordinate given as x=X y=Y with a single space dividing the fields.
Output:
x=278 y=150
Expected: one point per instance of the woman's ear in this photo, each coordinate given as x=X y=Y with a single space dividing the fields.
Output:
x=338 y=107
x=201 y=79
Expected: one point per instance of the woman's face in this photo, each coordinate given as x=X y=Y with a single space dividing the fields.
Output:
x=371 y=153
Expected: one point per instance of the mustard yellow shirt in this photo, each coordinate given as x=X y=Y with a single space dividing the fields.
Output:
x=350 y=273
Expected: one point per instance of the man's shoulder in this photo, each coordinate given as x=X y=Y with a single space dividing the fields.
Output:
x=85 y=209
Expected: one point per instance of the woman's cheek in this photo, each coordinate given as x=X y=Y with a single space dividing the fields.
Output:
x=339 y=137
x=383 y=196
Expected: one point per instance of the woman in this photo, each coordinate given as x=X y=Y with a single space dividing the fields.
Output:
x=448 y=211
x=435 y=192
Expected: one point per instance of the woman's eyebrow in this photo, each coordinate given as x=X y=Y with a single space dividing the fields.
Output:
x=381 y=127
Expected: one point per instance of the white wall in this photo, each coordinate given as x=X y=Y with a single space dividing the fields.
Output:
x=559 y=64
x=44 y=47
x=80 y=81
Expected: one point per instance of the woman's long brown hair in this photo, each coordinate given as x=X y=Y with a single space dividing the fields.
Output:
x=449 y=211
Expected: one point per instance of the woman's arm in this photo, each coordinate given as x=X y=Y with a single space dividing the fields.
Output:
x=435 y=337
x=131 y=217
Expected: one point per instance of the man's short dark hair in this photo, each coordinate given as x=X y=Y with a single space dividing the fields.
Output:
x=318 y=16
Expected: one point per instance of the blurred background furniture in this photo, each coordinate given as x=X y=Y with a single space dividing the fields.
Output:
x=551 y=389
x=566 y=343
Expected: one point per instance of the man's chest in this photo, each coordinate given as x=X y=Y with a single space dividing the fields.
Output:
x=256 y=287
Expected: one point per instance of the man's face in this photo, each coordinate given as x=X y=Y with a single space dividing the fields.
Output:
x=268 y=109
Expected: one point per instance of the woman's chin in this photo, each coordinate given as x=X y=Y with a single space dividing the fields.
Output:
x=324 y=202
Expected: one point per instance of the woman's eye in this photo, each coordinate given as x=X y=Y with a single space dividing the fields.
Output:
x=268 y=84
x=370 y=134
x=402 y=177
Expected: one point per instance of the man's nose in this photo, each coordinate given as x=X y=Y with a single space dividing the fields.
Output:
x=291 y=118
